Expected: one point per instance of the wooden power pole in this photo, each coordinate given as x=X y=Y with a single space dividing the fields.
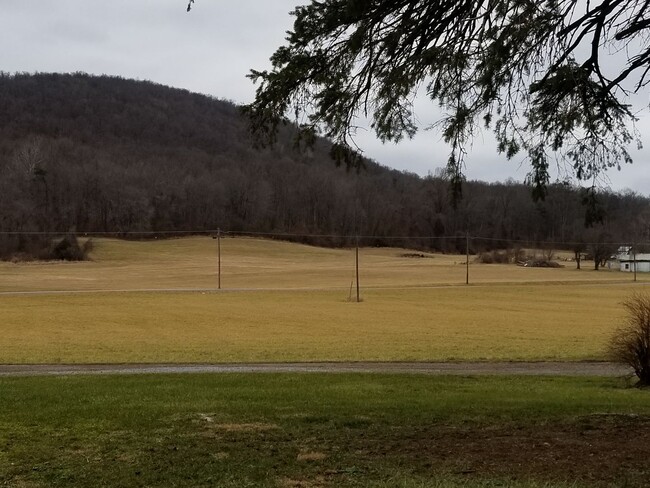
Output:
x=218 y=239
x=467 y=258
x=357 y=268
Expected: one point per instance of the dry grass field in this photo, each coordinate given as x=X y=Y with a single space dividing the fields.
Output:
x=285 y=302
x=409 y=311
x=191 y=263
x=532 y=322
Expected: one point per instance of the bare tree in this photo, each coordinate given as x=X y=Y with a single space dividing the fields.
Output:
x=601 y=249
x=630 y=344
x=578 y=248
x=73 y=156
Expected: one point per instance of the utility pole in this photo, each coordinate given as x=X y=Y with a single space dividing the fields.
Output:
x=218 y=238
x=467 y=258
x=634 y=259
x=357 y=268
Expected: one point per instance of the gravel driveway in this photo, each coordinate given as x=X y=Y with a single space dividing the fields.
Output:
x=450 y=368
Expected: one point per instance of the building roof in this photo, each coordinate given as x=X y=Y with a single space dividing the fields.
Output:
x=631 y=257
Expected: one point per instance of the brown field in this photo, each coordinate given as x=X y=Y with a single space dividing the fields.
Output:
x=191 y=263
x=414 y=309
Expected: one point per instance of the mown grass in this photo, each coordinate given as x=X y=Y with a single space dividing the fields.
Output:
x=256 y=263
x=289 y=430
x=526 y=322
x=409 y=311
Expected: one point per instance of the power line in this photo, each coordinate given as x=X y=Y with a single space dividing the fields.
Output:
x=304 y=235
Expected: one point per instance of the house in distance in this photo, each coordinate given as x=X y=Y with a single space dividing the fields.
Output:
x=629 y=260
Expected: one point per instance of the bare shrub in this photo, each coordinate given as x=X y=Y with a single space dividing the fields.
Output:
x=630 y=344
x=540 y=263
x=504 y=256
x=23 y=247
x=67 y=249
x=87 y=248
x=489 y=257
x=32 y=247
x=548 y=254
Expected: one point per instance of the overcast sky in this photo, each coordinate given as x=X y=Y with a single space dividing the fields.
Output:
x=210 y=50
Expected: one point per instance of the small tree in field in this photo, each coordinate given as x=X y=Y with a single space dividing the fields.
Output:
x=630 y=344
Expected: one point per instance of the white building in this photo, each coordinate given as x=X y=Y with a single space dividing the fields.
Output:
x=628 y=260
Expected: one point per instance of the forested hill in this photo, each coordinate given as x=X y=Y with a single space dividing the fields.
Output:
x=105 y=154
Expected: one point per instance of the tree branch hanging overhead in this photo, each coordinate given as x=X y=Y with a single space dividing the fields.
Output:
x=551 y=78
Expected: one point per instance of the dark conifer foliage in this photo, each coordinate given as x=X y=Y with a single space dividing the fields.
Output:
x=81 y=153
x=550 y=78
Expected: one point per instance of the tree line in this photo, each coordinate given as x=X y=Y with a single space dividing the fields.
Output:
x=81 y=153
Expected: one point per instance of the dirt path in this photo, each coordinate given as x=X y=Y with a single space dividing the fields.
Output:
x=455 y=368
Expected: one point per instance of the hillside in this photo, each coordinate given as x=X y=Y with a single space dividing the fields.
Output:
x=105 y=154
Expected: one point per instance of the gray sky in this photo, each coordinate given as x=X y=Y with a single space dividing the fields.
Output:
x=210 y=50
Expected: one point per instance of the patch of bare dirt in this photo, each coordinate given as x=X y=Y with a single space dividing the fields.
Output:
x=251 y=427
x=318 y=482
x=311 y=456
x=596 y=450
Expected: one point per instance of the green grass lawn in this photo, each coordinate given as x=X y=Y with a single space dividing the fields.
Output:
x=312 y=430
